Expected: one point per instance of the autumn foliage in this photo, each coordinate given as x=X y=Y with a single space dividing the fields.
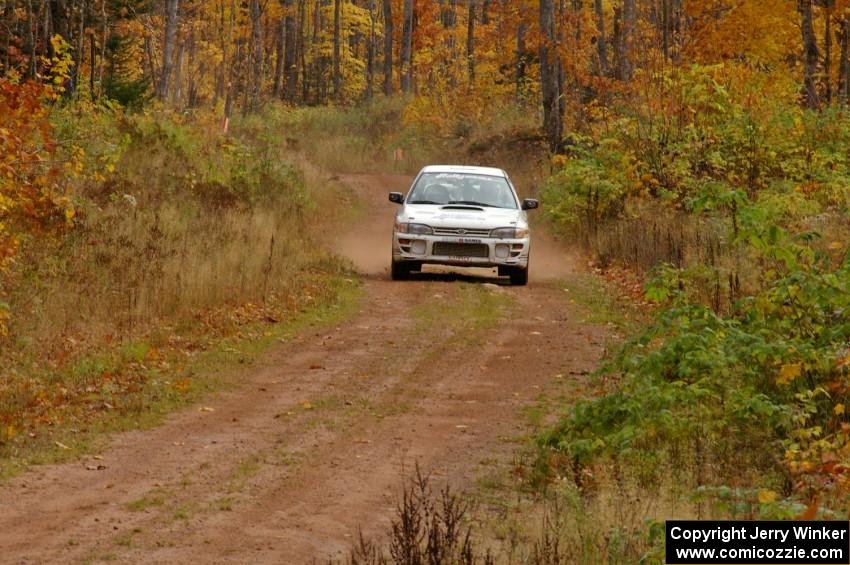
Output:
x=33 y=183
x=699 y=144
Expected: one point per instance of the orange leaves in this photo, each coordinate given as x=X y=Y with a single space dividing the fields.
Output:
x=811 y=512
x=31 y=194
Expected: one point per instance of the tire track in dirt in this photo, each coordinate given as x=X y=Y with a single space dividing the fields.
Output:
x=266 y=478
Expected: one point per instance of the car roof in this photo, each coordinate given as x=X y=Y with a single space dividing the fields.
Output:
x=490 y=171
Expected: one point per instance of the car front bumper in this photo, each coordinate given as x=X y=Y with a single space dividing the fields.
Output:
x=461 y=251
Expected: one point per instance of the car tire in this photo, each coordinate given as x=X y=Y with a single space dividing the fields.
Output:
x=519 y=276
x=400 y=271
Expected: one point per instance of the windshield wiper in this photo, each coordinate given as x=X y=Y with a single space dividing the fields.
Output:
x=425 y=202
x=473 y=203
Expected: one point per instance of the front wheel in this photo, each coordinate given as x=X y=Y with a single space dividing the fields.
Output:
x=519 y=276
x=400 y=271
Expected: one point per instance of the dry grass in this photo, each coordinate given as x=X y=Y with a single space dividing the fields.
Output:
x=715 y=268
x=196 y=239
x=190 y=220
x=127 y=268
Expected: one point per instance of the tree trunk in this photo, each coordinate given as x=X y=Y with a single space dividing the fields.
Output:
x=521 y=56
x=470 y=42
x=549 y=62
x=448 y=18
x=78 y=50
x=168 y=48
x=601 y=39
x=407 y=48
x=256 y=54
x=625 y=41
x=301 y=55
x=177 y=91
x=60 y=18
x=388 y=47
x=280 y=40
x=485 y=12
x=827 y=55
x=560 y=75
x=810 y=55
x=370 y=53
x=92 y=64
x=290 y=65
x=192 y=90
x=844 y=63
x=314 y=43
x=104 y=24
x=31 y=48
x=337 y=72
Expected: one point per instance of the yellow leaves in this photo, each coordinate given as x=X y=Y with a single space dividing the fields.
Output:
x=838 y=410
x=836 y=245
x=559 y=161
x=788 y=373
x=766 y=496
x=762 y=31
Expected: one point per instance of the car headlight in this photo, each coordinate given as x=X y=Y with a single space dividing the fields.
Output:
x=509 y=233
x=413 y=229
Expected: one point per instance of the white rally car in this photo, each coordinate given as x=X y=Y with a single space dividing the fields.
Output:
x=462 y=216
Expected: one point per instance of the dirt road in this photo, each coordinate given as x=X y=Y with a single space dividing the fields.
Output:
x=313 y=443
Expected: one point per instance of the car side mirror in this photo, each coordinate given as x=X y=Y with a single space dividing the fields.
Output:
x=530 y=204
x=397 y=197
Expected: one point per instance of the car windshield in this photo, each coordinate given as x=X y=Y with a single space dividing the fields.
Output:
x=462 y=188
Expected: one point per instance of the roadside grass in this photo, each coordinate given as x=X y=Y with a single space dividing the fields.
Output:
x=150 y=500
x=177 y=377
x=601 y=303
x=192 y=253
x=527 y=515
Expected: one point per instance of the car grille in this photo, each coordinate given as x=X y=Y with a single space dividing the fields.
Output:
x=461 y=249
x=462 y=232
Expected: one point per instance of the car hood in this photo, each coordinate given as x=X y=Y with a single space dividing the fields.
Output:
x=454 y=216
